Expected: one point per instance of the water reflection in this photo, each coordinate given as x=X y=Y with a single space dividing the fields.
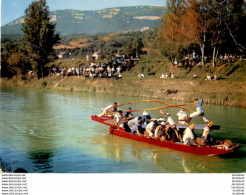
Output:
x=168 y=160
x=44 y=128
x=42 y=161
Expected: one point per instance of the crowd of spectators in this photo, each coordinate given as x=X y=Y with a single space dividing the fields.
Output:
x=167 y=76
x=193 y=59
x=111 y=69
x=231 y=57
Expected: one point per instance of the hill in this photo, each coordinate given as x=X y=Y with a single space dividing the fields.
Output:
x=121 y=19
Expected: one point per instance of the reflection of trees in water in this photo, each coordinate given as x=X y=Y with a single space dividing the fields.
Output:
x=42 y=161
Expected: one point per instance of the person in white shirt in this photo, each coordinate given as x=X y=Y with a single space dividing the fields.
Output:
x=182 y=116
x=120 y=119
x=150 y=128
x=159 y=131
x=108 y=109
x=170 y=120
x=189 y=137
x=205 y=134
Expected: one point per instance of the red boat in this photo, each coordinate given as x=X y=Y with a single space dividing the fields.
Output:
x=201 y=150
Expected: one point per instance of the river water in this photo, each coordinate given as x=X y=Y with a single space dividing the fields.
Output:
x=51 y=131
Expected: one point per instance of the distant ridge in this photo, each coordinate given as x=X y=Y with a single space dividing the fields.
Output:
x=119 y=19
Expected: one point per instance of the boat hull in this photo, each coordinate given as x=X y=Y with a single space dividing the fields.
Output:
x=200 y=150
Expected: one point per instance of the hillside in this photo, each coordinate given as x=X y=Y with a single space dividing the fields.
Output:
x=121 y=19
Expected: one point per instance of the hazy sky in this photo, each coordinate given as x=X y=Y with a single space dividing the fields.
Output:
x=13 y=9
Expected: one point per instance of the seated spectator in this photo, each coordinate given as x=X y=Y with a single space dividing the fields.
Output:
x=172 y=76
x=175 y=63
x=208 y=77
x=141 y=76
x=194 y=76
x=215 y=77
x=162 y=76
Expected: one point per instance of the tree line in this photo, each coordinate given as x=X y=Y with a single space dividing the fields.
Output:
x=36 y=47
x=214 y=26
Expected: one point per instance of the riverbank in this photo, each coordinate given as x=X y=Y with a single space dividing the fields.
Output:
x=222 y=92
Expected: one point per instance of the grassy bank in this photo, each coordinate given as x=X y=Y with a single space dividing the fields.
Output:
x=230 y=89
x=216 y=92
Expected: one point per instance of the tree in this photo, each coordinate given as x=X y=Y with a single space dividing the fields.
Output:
x=39 y=35
x=17 y=63
x=134 y=47
x=170 y=35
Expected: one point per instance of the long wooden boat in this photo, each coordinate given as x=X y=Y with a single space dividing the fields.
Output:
x=201 y=150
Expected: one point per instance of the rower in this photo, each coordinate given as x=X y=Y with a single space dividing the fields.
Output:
x=150 y=128
x=182 y=116
x=170 y=120
x=133 y=121
x=205 y=135
x=199 y=111
x=159 y=131
x=189 y=137
x=146 y=118
x=138 y=128
x=129 y=114
x=172 y=133
x=121 y=121
x=108 y=109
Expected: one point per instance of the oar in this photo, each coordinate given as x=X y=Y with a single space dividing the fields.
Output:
x=156 y=102
x=155 y=108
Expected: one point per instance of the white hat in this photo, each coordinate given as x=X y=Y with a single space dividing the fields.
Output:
x=168 y=114
x=145 y=113
x=162 y=123
x=161 y=119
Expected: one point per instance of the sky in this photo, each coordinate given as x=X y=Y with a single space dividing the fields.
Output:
x=13 y=9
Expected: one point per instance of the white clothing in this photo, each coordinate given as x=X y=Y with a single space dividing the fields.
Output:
x=160 y=132
x=133 y=122
x=182 y=115
x=106 y=110
x=188 y=136
x=134 y=128
x=170 y=121
x=199 y=113
x=205 y=130
x=150 y=128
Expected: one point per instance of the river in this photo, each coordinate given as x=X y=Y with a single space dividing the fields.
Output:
x=46 y=131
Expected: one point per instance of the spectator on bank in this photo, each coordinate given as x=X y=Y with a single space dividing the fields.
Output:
x=162 y=76
x=208 y=77
x=194 y=76
x=215 y=77
x=172 y=75
x=141 y=76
